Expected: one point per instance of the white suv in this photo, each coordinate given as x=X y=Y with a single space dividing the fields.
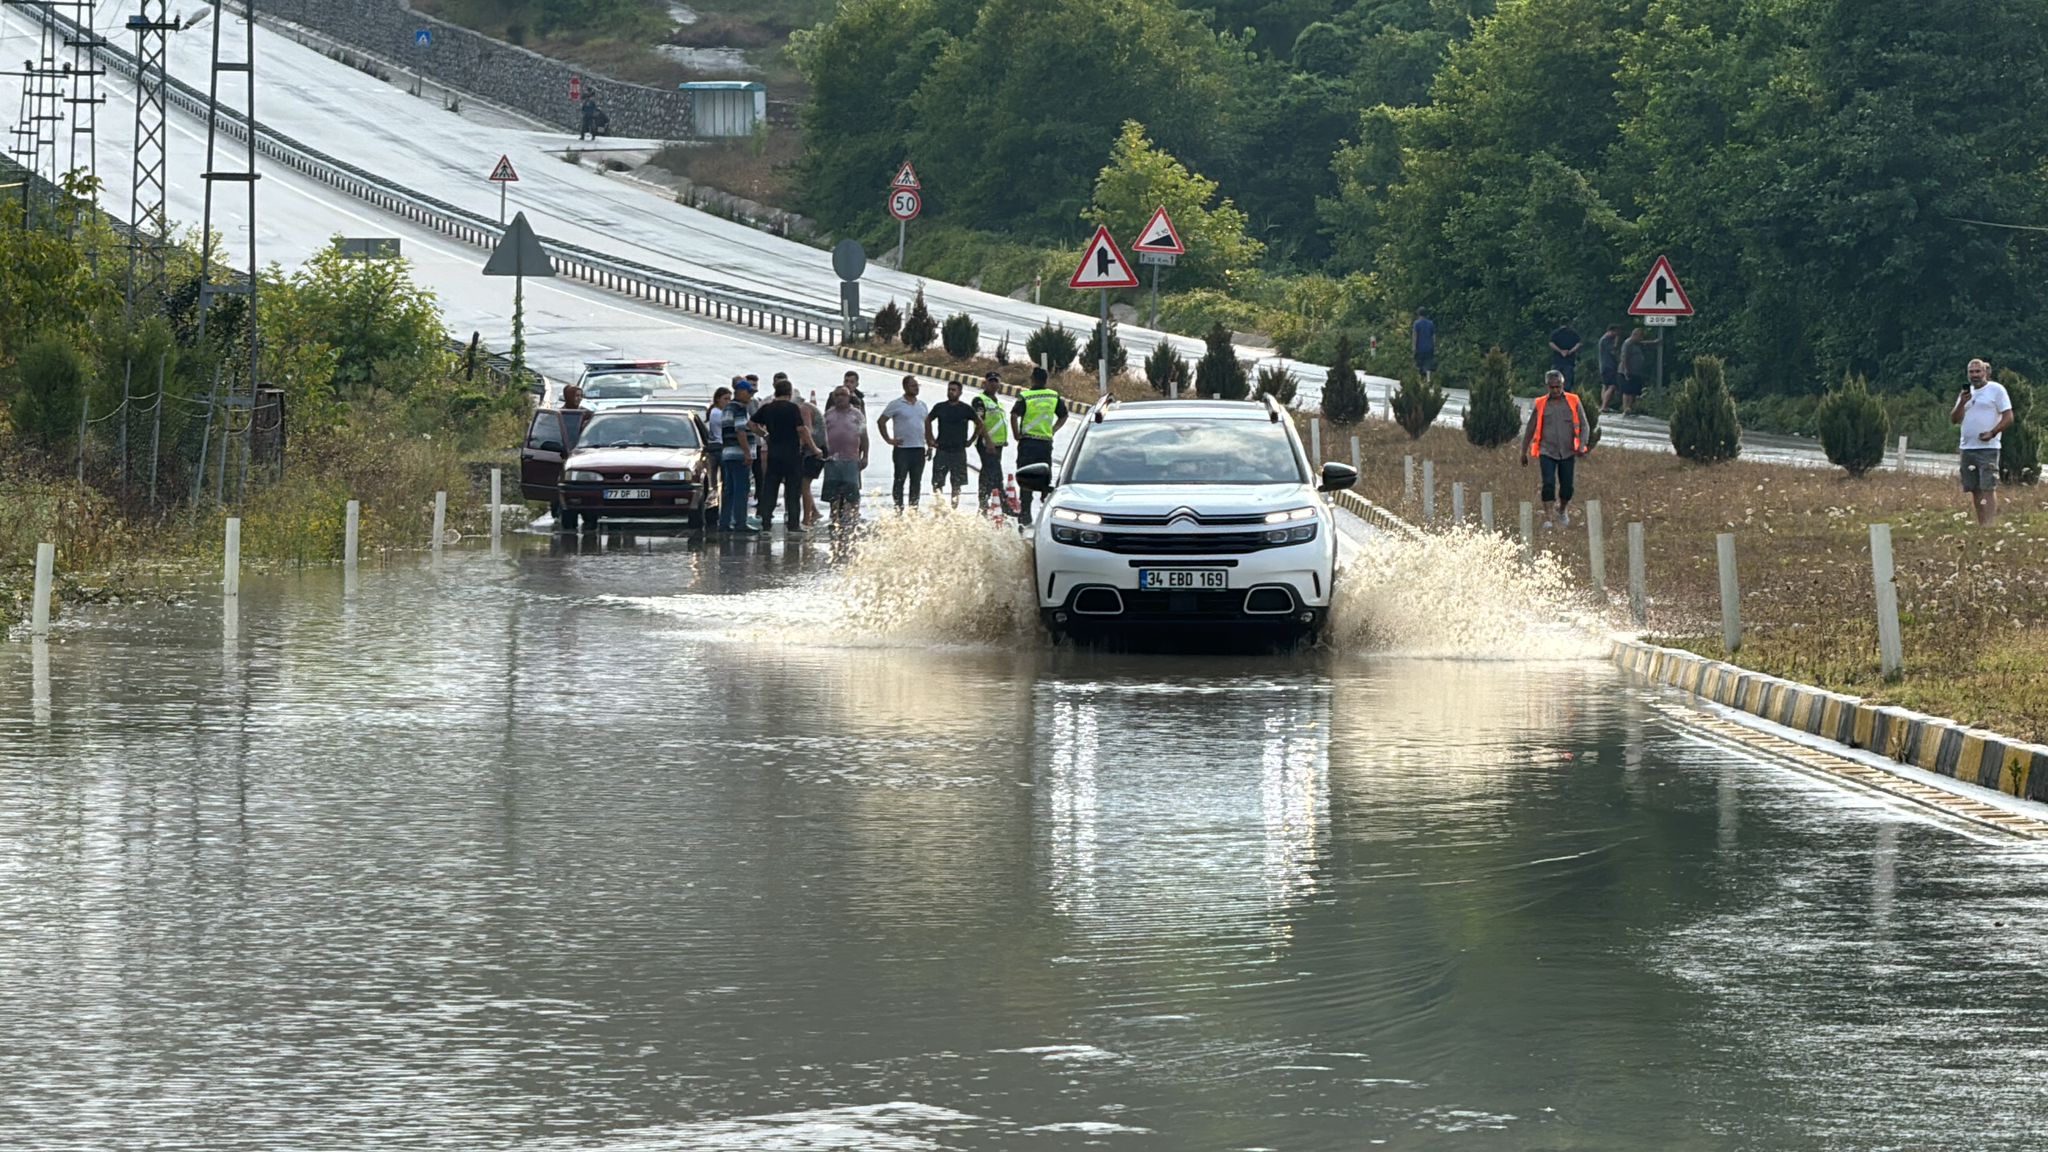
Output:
x=1178 y=512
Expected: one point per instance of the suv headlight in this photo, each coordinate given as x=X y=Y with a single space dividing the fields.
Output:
x=580 y=474
x=670 y=476
x=1298 y=534
x=1290 y=514
x=1065 y=535
x=1073 y=517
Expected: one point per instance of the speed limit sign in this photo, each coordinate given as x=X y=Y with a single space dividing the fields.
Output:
x=905 y=204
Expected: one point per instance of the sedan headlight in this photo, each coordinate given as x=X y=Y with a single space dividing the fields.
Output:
x=670 y=476
x=580 y=474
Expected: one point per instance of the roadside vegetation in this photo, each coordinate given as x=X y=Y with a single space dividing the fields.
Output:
x=377 y=407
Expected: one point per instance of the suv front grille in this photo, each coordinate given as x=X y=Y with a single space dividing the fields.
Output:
x=1184 y=543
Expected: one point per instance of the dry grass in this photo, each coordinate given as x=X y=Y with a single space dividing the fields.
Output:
x=1973 y=601
x=761 y=169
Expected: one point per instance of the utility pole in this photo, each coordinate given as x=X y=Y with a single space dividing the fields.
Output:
x=147 y=220
x=245 y=175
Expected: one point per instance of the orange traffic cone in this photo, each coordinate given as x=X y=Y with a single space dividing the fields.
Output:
x=1010 y=495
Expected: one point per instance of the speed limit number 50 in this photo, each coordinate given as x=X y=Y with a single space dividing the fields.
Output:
x=905 y=204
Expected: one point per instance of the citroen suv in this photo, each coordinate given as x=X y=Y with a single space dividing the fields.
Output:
x=1185 y=512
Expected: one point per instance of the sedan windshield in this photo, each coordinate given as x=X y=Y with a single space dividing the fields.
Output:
x=638 y=430
x=619 y=386
x=1186 y=452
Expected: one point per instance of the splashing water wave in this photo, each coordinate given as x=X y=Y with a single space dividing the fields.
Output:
x=1461 y=594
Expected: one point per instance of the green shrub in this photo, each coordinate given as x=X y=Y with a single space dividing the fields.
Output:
x=919 y=329
x=1276 y=381
x=1491 y=418
x=47 y=391
x=1853 y=426
x=2019 y=456
x=1589 y=406
x=1344 y=397
x=1415 y=403
x=1089 y=353
x=961 y=336
x=1003 y=349
x=1165 y=366
x=1704 y=428
x=1053 y=347
x=1220 y=372
x=888 y=322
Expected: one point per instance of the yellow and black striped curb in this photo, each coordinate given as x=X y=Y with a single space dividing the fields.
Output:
x=1929 y=743
x=950 y=375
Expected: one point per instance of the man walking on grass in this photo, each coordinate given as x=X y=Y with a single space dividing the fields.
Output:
x=1555 y=439
x=1985 y=411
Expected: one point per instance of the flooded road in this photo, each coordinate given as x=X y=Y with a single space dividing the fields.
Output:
x=490 y=857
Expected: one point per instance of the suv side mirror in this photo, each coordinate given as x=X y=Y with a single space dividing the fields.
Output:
x=1035 y=478
x=1336 y=477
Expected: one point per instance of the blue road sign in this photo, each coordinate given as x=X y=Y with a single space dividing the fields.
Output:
x=423 y=37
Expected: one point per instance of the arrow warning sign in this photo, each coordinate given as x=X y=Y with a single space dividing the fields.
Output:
x=503 y=173
x=1103 y=265
x=906 y=177
x=1160 y=235
x=1661 y=293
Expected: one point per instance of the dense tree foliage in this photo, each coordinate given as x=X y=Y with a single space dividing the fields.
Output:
x=1141 y=179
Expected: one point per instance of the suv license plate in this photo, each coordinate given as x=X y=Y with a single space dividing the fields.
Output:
x=626 y=493
x=1169 y=578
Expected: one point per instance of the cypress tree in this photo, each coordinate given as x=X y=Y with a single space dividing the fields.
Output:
x=888 y=322
x=1164 y=366
x=1344 y=399
x=1416 y=404
x=1704 y=428
x=2019 y=454
x=1089 y=353
x=1491 y=418
x=1221 y=373
x=1853 y=426
x=961 y=336
x=919 y=329
x=1276 y=381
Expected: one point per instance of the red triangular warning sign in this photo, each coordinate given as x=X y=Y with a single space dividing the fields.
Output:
x=1103 y=265
x=906 y=177
x=1661 y=293
x=1160 y=235
x=503 y=173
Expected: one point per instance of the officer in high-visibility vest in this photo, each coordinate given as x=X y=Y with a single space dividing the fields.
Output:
x=1035 y=419
x=1557 y=440
x=995 y=436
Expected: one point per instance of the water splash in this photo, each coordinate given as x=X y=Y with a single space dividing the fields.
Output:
x=1462 y=594
x=946 y=577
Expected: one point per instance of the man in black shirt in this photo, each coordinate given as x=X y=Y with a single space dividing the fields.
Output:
x=781 y=422
x=1564 y=352
x=949 y=430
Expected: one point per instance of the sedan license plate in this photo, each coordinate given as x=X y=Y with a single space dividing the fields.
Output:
x=1181 y=578
x=626 y=493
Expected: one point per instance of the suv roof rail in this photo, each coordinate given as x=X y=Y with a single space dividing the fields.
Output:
x=1101 y=405
x=1272 y=406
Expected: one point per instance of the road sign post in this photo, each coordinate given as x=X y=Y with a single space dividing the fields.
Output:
x=519 y=255
x=423 y=40
x=503 y=175
x=1660 y=302
x=1160 y=246
x=1103 y=267
x=904 y=204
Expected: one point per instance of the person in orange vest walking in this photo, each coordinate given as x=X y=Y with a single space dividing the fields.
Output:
x=1556 y=440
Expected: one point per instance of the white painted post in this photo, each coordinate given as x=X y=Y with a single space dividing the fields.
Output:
x=1528 y=532
x=1731 y=596
x=440 y=519
x=1458 y=503
x=46 y=574
x=1596 y=547
x=1891 y=656
x=351 y=533
x=1486 y=511
x=1638 y=581
x=1408 y=477
x=1357 y=458
x=1899 y=461
x=231 y=568
x=497 y=512
x=1315 y=440
x=1429 y=491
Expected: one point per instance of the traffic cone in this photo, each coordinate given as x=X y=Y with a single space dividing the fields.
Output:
x=1010 y=495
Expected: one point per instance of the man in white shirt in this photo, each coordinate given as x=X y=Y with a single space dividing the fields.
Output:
x=1985 y=412
x=902 y=426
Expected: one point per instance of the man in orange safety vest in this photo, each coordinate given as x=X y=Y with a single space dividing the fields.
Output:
x=1556 y=440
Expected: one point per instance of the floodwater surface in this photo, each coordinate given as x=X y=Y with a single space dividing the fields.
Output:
x=648 y=849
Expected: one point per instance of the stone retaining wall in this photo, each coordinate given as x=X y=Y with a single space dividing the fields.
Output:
x=1929 y=743
x=492 y=69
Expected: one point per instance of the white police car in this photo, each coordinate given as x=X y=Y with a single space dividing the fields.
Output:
x=1185 y=512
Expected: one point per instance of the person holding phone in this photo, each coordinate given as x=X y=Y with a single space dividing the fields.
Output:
x=1984 y=411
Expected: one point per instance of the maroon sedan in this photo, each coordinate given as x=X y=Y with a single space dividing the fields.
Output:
x=644 y=462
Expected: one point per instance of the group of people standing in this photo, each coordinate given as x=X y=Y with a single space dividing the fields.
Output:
x=774 y=449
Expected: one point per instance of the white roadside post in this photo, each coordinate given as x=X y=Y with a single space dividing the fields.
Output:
x=231 y=567
x=1458 y=503
x=497 y=510
x=1429 y=491
x=1357 y=457
x=1528 y=532
x=440 y=520
x=1891 y=657
x=1408 y=477
x=1486 y=511
x=351 y=533
x=1596 y=547
x=1899 y=460
x=1315 y=441
x=46 y=574
x=1731 y=596
x=1638 y=590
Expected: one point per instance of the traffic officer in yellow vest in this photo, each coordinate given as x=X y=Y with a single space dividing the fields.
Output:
x=995 y=436
x=1037 y=416
x=1556 y=440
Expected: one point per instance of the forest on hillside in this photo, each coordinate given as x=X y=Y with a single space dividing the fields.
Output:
x=1844 y=185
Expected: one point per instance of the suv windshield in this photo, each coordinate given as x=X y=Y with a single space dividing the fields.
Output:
x=1187 y=451
x=620 y=386
x=638 y=430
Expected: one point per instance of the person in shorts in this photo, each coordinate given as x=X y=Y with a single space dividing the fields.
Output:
x=949 y=430
x=1984 y=410
x=846 y=454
